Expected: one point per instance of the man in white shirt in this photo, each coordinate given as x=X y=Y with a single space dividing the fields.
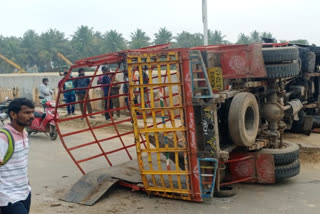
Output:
x=15 y=191
x=44 y=90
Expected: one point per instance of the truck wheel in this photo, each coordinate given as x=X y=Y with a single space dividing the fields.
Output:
x=283 y=70
x=226 y=191
x=288 y=170
x=315 y=49
x=288 y=153
x=281 y=54
x=243 y=119
x=308 y=60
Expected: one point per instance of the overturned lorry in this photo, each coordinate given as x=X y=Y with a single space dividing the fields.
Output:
x=200 y=119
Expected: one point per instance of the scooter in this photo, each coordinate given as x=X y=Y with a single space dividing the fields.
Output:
x=4 y=110
x=44 y=122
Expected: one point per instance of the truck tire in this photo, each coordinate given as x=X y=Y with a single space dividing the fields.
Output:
x=285 y=155
x=280 y=54
x=283 y=70
x=308 y=60
x=226 y=191
x=315 y=49
x=288 y=170
x=243 y=119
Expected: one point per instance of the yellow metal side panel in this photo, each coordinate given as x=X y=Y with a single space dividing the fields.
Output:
x=159 y=124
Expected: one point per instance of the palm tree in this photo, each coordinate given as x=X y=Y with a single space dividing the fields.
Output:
x=255 y=36
x=197 y=39
x=266 y=35
x=31 y=45
x=187 y=40
x=97 y=43
x=113 y=42
x=163 y=36
x=83 y=42
x=11 y=48
x=139 y=39
x=215 y=38
x=52 y=42
x=243 y=39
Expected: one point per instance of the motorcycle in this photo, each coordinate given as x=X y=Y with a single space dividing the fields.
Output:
x=4 y=110
x=44 y=122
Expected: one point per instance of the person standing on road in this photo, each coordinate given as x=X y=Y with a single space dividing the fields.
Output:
x=64 y=69
x=115 y=89
x=99 y=82
x=70 y=95
x=106 y=81
x=126 y=88
x=15 y=191
x=45 y=91
x=83 y=82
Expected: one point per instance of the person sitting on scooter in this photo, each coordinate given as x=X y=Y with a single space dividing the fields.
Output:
x=70 y=95
x=45 y=91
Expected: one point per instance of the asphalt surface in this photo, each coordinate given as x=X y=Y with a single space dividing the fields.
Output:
x=52 y=172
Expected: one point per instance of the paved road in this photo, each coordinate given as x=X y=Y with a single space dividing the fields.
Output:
x=52 y=172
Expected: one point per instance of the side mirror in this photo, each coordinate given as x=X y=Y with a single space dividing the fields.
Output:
x=41 y=97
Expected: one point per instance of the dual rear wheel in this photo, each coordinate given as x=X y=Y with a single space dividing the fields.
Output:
x=243 y=127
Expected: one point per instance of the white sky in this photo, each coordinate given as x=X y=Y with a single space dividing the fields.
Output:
x=285 y=19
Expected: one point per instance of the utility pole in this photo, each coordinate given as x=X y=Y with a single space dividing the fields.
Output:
x=205 y=22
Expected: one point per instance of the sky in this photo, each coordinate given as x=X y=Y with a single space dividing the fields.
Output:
x=285 y=19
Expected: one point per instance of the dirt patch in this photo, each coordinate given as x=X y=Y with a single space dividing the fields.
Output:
x=312 y=140
x=310 y=159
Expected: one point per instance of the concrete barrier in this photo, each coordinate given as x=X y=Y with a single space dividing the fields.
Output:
x=26 y=83
x=9 y=92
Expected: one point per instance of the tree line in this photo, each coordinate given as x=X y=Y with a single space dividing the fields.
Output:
x=38 y=52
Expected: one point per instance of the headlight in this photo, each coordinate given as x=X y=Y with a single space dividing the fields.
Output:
x=53 y=104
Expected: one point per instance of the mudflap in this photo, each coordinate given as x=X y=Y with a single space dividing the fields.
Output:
x=252 y=167
x=93 y=185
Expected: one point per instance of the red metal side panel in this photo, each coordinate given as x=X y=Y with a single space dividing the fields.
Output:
x=192 y=142
x=240 y=61
x=243 y=62
x=260 y=167
x=243 y=169
x=265 y=168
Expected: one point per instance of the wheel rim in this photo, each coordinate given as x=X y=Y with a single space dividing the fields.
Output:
x=249 y=119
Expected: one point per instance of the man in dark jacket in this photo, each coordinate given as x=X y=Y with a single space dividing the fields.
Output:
x=83 y=82
x=69 y=95
x=106 y=81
